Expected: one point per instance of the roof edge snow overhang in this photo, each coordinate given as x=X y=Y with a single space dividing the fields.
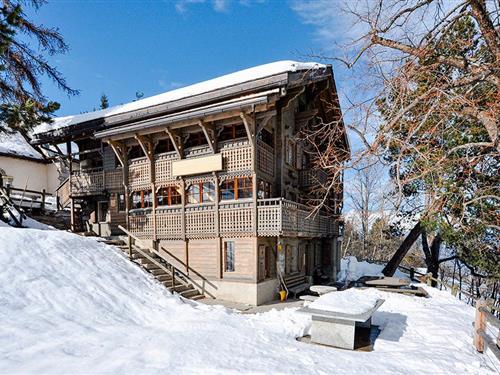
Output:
x=149 y=126
x=59 y=134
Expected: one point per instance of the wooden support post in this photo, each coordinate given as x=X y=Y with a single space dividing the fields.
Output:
x=147 y=146
x=209 y=132
x=72 y=214
x=72 y=201
x=42 y=205
x=479 y=325
x=176 y=140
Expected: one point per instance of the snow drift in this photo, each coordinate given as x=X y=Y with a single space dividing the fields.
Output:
x=69 y=304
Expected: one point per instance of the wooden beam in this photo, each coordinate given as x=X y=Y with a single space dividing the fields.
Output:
x=176 y=140
x=209 y=131
x=265 y=121
x=119 y=152
x=146 y=145
x=249 y=127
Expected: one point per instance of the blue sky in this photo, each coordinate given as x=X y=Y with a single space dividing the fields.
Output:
x=121 y=47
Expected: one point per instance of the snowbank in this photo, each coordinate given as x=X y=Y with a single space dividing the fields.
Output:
x=350 y=301
x=351 y=270
x=227 y=80
x=69 y=304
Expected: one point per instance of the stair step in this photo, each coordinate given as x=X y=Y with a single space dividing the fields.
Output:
x=197 y=297
x=179 y=288
x=158 y=272
x=163 y=277
x=189 y=293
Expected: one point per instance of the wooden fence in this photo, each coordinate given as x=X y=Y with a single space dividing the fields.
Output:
x=484 y=322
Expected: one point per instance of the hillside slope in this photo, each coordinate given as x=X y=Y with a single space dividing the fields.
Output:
x=69 y=304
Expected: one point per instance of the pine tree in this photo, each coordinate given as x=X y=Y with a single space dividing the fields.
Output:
x=23 y=104
x=104 y=101
x=438 y=151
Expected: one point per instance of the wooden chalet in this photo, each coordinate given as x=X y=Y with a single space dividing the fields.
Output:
x=212 y=177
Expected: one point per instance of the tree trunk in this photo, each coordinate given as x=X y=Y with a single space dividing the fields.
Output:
x=400 y=253
x=432 y=255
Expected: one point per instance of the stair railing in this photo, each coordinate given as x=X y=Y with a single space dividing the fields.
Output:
x=184 y=280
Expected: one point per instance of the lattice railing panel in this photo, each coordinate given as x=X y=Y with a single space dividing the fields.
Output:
x=139 y=173
x=87 y=182
x=265 y=158
x=169 y=223
x=237 y=158
x=200 y=221
x=236 y=219
x=269 y=217
x=163 y=167
x=141 y=225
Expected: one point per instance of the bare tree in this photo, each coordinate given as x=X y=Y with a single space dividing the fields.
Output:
x=433 y=80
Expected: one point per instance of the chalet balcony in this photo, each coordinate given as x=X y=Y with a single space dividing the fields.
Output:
x=87 y=182
x=95 y=181
x=275 y=217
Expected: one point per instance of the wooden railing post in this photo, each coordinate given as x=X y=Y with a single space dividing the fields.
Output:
x=479 y=325
x=130 y=247
x=42 y=205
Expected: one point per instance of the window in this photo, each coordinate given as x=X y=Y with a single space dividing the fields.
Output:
x=244 y=186
x=164 y=145
x=230 y=132
x=201 y=192
x=239 y=188
x=227 y=190
x=142 y=199
x=267 y=137
x=121 y=202
x=263 y=190
x=196 y=139
x=168 y=196
x=229 y=256
x=135 y=152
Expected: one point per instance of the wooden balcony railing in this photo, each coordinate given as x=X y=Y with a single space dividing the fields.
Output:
x=236 y=218
x=163 y=167
x=169 y=223
x=139 y=173
x=87 y=182
x=236 y=156
x=200 y=221
x=276 y=217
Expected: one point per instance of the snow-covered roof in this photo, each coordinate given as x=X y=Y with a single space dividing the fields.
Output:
x=241 y=76
x=16 y=145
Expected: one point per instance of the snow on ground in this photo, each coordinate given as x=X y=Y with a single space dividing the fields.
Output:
x=351 y=269
x=15 y=144
x=69 y=304
x=227 y=80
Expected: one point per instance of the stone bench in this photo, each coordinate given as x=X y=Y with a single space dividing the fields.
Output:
x=338 y=329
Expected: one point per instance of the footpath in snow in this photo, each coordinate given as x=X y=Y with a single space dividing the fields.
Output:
x=69 y=304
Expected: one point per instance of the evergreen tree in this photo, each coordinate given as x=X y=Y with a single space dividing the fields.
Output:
x=104 y=101
x=440 y=152
x=23 y=104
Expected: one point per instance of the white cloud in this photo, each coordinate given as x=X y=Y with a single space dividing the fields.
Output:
x=221 y=6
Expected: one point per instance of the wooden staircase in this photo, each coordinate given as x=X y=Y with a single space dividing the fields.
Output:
x=161 y=270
